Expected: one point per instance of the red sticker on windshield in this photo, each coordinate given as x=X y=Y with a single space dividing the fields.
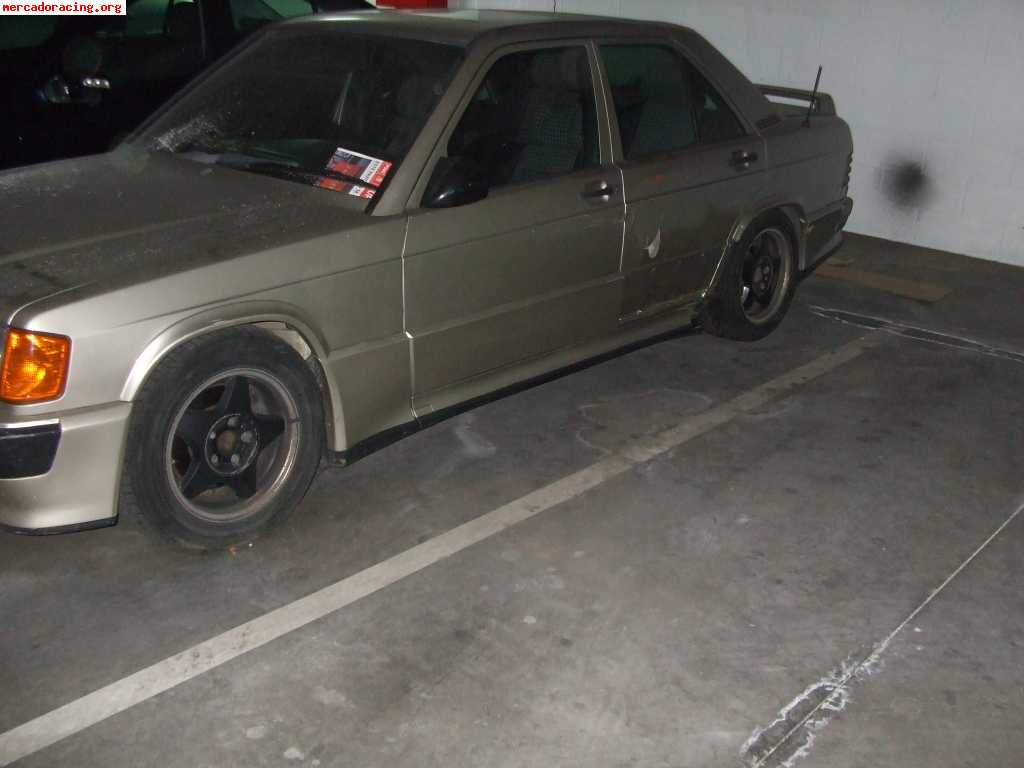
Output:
x=346 y=162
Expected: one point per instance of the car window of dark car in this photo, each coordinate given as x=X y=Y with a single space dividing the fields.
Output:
x=533 y=117
x=25 y=31
x=249 y=15
x=155 y=44
x=663 y=102
x=143 y=18
x=301 y=103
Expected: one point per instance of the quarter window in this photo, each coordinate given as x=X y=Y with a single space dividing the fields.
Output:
x=663 y=102
x=532 y=118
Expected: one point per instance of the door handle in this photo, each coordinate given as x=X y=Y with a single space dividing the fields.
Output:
x=741 y=158
x=599 y=190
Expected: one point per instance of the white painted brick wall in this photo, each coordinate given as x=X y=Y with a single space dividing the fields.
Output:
x=936 y=82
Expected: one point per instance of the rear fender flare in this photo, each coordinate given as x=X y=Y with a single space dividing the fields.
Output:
x=792 y=210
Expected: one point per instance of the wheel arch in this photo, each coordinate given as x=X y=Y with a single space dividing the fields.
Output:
x=791 y=209
x=794 y=215
x=283 y=321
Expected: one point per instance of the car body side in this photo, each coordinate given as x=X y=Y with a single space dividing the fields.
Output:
x=375 y=305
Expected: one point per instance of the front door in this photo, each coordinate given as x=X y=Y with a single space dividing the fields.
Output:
x=689 y=169
x=534 y=267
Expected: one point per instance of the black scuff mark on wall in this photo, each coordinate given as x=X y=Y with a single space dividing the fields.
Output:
x=906 y=183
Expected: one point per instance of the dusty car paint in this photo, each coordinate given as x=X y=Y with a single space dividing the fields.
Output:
x=405 y=311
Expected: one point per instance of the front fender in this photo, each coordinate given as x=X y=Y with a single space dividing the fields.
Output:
x=287 y=321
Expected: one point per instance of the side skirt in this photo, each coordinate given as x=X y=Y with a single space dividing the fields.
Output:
x=389 y=437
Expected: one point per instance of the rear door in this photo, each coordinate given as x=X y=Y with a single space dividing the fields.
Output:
x=690 y=168
x=534 y=267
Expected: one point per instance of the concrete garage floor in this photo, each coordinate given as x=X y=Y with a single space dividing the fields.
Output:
x=761 y=590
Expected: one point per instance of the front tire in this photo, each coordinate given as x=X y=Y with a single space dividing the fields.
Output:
x=757 y=283
x=225 y=438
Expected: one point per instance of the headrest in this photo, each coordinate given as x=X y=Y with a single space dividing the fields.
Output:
x=557 y=70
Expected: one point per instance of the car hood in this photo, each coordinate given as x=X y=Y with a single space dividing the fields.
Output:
x=131 y=216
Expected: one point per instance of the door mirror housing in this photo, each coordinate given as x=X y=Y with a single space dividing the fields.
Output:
x=57 y=90
x=457 y=181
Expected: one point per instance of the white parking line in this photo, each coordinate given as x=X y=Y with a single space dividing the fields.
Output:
x=123 y=694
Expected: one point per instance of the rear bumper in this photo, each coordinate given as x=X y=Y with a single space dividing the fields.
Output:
x=62 y=473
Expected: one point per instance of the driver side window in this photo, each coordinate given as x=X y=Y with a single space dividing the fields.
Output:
x=532 y=118
x=142 y=19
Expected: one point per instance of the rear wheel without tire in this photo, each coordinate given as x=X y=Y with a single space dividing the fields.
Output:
x=757 y=282
x=225 y=438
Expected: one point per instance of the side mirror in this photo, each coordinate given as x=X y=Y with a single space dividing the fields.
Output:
x=57 y=90
x=456 y=181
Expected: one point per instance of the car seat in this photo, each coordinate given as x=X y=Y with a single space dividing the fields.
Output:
x=551 y=132
x=666 y=120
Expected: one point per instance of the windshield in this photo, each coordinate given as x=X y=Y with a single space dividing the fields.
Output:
x=320 y=106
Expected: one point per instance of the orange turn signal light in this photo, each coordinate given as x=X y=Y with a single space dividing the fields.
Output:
x=35 y=366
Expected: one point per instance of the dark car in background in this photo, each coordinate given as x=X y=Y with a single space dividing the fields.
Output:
x=75 y=85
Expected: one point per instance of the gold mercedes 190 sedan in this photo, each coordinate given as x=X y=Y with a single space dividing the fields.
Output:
x=358 y=224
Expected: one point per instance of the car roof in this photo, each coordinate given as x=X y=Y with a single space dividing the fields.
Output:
x=464 y=27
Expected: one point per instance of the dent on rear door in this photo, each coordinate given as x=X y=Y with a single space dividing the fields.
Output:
x=679 y=218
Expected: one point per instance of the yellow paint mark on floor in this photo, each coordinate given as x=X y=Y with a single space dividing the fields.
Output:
x=911 y=289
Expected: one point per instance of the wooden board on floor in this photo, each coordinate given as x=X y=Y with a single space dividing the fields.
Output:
x=911 y=289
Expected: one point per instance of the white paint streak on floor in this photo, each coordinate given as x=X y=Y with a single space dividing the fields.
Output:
x=837 y=685
x=836 y=696
x=95 y=707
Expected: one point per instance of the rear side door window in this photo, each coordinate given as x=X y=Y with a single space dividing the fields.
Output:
x=663 y=103
x=155 y=46
x=532 y=118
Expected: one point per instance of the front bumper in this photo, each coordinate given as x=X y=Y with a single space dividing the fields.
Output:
x=28 y=450
x=62 y=473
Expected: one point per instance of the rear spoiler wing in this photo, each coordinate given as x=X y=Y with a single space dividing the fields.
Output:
x=821 y=104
